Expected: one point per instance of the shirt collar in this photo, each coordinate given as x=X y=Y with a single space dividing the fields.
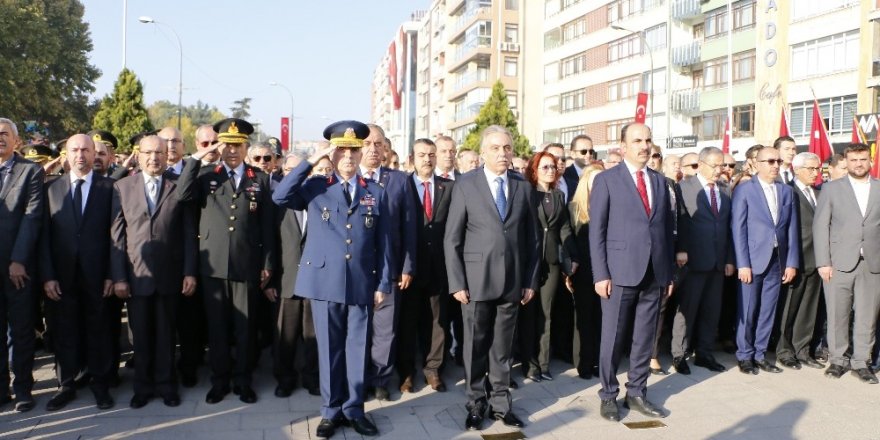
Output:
x=703 y=181
x=239 y=170
x=418 y=180
x=352 y=180
x=439 y=172
x=632 y=168
x=376 y=172
x=492 y=176
x=8 y=164
x=87 y=179
x=800 y=185
x=147 y=178
x=856 y=182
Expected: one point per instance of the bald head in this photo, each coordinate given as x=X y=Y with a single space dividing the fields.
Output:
x=174 y=140
x=80 y=154
x=152 y=155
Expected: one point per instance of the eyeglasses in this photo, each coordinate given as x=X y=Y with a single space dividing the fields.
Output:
x=729 y=165
x=174 y=140
x=772 y=162
x=261 y=158
x=811 y=169
x=547 y=168
x=586 y=152
x=692 y=166
x=656 y=156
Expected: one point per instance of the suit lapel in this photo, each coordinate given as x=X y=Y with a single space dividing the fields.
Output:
x=167 y=188
x=483 y=188
x=873 y=196
x=439 y=189
x=138 y=192
x=657 y=184
x=512 y=185
x=14 y=175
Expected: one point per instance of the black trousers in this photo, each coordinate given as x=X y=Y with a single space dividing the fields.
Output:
x=535 y=323
x=798 y=323
x=82 y=334
x=191 y=331
x=488 y=343
x=587 y=322
x=17 y=315
x=228 y=308
x=422 y=323
x=454 y=327
x=696 y=317
x=153 y=319
x=295 y=349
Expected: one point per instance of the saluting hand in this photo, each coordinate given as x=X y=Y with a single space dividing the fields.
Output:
x=319 y=154
x=189 y=286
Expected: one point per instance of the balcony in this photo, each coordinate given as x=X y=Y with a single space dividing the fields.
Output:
x=469 y=79
x=686 y=10
x=687 y=55
x=686 y=101
x=481 y=45
x=465 y=20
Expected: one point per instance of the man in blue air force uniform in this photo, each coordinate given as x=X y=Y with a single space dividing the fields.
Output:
x=345 y=269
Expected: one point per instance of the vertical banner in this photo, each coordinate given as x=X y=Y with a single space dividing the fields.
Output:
x=725 y=143
x=285 y=133
x=641 y=107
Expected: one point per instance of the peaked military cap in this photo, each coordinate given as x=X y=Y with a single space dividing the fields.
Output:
x=105 y=137
x=275 y=144
x=347 y=134
x=233 y=130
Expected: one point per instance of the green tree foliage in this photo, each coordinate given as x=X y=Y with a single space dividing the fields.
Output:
x=45 y=75
x=496 y=111
x=241 y=108
x=164 y=114
x=123 y=112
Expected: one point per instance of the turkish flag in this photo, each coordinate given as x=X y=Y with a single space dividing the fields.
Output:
x=285 y=133
x=875 y=167
x=725 y=144
x=857 y=136
x=819 y=143
x=783 y=124
x=641 y=107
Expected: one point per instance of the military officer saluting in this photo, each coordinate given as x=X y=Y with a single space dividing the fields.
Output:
x=236 y=242
x=345 y=269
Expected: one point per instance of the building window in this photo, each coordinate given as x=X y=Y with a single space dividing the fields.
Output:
x=511 y=5
x=837 y=113
x=744 y=121
x=716 y=23
x=551 y=73
x=568 y=133
x=744 y=66
x=659 y=81
x=551 y=106
x=743 y=18
x=511 y=33
x=553 y=7
x=711 y=125
x=613 y=128
x=744 y=15
x=656 y=36
x=623 y=9
x=808 y=8
x=836 y=53
x=510 y=66
x=511 y=99
x=573 y=101
x=623 y=88
x=715 y=73
x=573 y=65
x=624 y=48
x=574 y=29
x=551 y=135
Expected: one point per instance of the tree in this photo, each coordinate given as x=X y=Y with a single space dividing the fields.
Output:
x=240 y=109
x=45 y=74
x=123 y=113
x=496 y=111
x=164 y=114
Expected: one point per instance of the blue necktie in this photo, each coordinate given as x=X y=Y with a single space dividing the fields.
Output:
x=500 y=198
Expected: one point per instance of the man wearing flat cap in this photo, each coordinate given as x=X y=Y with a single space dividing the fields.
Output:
x=236 y=237
x=345 y=269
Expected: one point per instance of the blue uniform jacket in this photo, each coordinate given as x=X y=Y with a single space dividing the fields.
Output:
x=346 y=257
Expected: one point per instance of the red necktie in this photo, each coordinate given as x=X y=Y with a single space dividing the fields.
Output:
x=643 y=191
x=445 y=175
x=713 y=201
x=429 y=205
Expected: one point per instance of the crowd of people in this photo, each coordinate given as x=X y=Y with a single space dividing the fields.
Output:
x=360 y=272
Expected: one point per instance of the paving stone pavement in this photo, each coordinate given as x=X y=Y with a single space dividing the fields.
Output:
x=791 y=405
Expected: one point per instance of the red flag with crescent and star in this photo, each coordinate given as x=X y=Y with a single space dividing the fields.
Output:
x=641 y=106
x=820 y=145
x=725 y=143
x=285 y=133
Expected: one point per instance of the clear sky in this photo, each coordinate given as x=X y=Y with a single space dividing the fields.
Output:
x=324 y=51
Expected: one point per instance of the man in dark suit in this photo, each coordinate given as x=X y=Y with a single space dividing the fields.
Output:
x=173 y=139
x=632 y=257
x=797 y=324
x=345 y=269
x=704 y=243
x=293 y=324
x=21 y=210
x=582 y=152
x=424 y=304
x=236 y=253
x=765 y=233
x=492 y=253
x=400 y=216
x=153 y=262
x=74 y=267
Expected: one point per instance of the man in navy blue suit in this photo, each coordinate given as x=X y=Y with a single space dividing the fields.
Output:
x=632 y=258
x=764 y=223
x=345 y=269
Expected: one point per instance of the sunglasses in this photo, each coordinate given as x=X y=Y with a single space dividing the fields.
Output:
x=261 y=158
x=772 y=162
x=692 y=166
x=729 y=165
x=586 y=152
x=547 y=168
x=656 y=156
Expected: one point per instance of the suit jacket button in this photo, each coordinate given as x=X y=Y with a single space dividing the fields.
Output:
x=232 y=207
x=348 y=241
x=232 y=218
x=430 y=226
x=308 y=262
x=348 y=256
x=231 y=228
x=234 y=196
x=348 y=226
x=349 y=212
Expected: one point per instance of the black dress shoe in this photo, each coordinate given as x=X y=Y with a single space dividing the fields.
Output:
x=790 y=363
x=821 y=355
x=24 y=403
x=246 y=394
x=609 y=411
x=139 y=400
x=513 y=385
x=642 y=405
x=534 y=377
x=546 y=376
x=747 y=367
x=681 y=366
x=709 y=363
x=103 y=400
x=326 y=428
x=363 y=426
x=314 y=391
x=216 y=394
x=509 y=419
x=188 y=380
x=474 y=419
x=765 y=365
x=382 y=393
x=658 y=371
x=60 y=400
x=865 y=375
x=171 y=400
x=283 y=391
x=585 y=375
x=835 y=371
x=812 y=363
x=82 y=380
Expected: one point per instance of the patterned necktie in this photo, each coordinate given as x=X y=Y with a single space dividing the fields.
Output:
x=500 y=198
x=78 y=200
x=426 y=200
x=713 y=201
x=771 y=202
x=346 y=193
x=152 y=194
x=232 y=179
x=809 y=195
x=643 y=191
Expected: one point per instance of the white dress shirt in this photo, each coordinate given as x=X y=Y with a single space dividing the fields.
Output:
x=807 y=191
x=421 y=189
x=449 y=174
x=239 y=172
x=562 y=185
x=178 y=167
x=862 y=190
x=370 y=174
x=86 y=185
x=352 y=182
x=705 y=185
x=493 y=186
x=632 y=172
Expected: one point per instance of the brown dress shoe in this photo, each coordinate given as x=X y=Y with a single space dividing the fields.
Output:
x=407 y=385
x=436 y=383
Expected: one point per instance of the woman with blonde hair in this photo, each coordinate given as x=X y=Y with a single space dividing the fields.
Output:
x=587 y=311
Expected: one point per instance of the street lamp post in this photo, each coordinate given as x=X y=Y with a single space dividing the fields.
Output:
x=290 y=127
x=149 y=20
x=641 y=35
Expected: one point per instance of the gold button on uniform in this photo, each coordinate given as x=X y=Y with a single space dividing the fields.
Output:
x=232 y=218
x=232 y=207
x=231 y=228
